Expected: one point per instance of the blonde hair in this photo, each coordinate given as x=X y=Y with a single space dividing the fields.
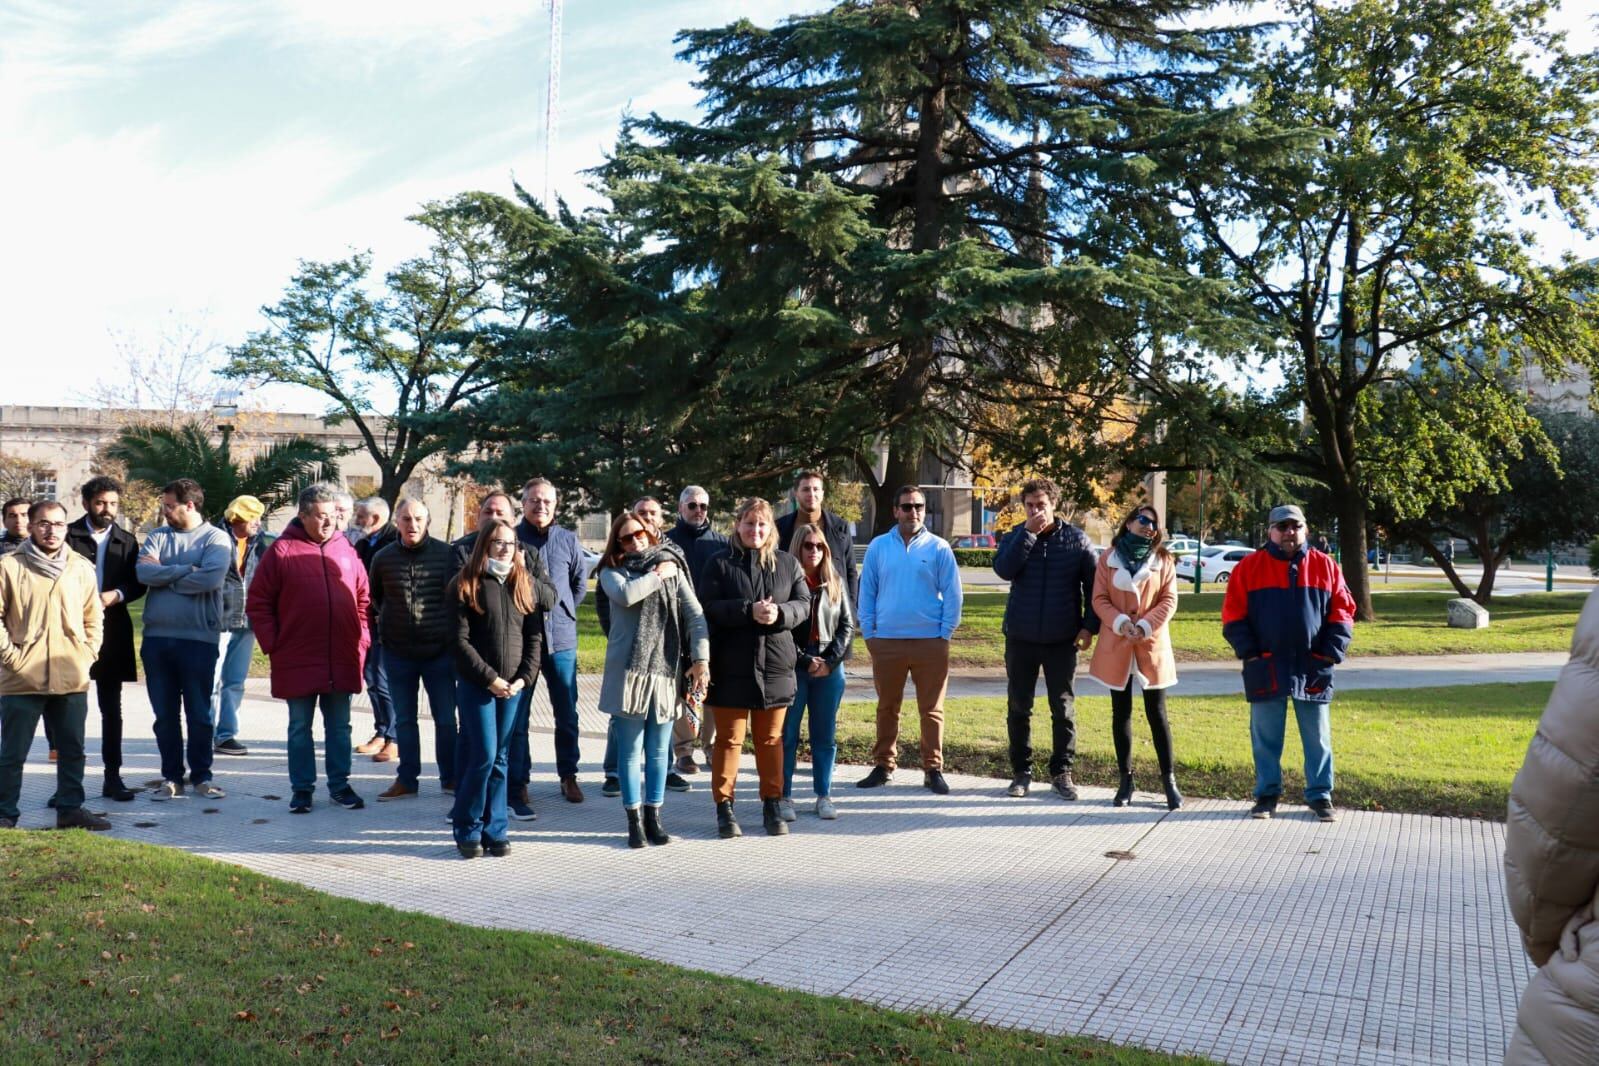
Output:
x=765 y=554
x=830 y=579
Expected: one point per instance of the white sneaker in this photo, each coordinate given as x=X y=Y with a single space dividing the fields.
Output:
x=785 y=808
x=206 y=790
x=168 y=790
x=825 y=809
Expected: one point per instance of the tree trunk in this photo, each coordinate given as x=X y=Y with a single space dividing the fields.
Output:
x=1446 y=566
x=900 y=470
x=1351 y=507
x=1484 y=545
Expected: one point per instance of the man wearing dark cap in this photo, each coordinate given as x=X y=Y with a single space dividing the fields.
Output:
x=1289 y=616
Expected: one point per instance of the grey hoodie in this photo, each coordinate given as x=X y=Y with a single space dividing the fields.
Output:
x=185 y=598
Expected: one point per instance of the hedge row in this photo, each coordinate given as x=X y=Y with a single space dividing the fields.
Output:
x=983 y=557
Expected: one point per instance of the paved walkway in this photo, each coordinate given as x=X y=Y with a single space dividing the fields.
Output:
x=1381 y=939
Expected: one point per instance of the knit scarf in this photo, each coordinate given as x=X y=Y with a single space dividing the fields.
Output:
x=48 y=566
x=1133 y=550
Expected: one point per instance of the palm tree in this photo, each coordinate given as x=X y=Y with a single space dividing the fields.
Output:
x=159 y=454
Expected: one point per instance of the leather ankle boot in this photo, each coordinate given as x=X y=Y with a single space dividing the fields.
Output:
x=652 y=826
x=772 y=816
x=1124 y=792
x=727 y=825
x=635 y=831
x=1174 y=799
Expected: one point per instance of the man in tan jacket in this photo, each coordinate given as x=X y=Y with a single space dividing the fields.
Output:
x=50 y=626
x=1552 y=865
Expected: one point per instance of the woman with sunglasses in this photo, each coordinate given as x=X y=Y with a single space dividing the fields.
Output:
x=1135 y=595
x=823 y=640
x=656 y=625
x=754 y=597
x=499 y=633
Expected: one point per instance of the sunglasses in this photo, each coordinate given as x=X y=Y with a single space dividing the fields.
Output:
x=813 y=547
x=913 y=507
x=698 y=506
x=637 y=534
x=1145 y=521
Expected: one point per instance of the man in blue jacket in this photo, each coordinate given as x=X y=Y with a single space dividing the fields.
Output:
x=910 y=607
x=1049 y=618
x=562 y=556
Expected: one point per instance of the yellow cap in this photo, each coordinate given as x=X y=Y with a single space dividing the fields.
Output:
x=245 y=508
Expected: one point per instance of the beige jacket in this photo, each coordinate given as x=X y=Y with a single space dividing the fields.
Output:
x=1148 y=601
x=49 y=630
x=1552 y=865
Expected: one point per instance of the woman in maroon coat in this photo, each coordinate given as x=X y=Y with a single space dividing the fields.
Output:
x=308 y=607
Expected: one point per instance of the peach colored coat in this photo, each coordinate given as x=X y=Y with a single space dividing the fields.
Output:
x=1148 y=601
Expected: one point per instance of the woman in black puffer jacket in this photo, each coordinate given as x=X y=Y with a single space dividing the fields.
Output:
x=754 y=596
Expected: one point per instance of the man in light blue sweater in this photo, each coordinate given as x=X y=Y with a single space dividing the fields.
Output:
x=910 y=605
x=183 y=564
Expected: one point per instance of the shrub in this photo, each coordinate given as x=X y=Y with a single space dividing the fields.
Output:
x=1593 y=555
x=983 y=557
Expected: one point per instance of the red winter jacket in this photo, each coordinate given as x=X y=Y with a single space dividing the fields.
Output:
x=308 y=607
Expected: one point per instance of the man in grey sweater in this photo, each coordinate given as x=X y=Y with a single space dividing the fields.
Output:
x=183 y=564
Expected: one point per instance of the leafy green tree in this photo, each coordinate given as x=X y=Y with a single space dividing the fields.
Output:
x=159 y=454
x=1391 y=244
x=395 y=363
x=893 y=217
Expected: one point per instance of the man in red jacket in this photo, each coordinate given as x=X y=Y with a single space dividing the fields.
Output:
x=308 y=607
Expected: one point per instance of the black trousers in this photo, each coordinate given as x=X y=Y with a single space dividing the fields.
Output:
x=108 y=693
x=1023 y=662
x=1121 y=726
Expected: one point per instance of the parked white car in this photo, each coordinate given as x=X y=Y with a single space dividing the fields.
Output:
x=1217 y=563
x=1182 y=545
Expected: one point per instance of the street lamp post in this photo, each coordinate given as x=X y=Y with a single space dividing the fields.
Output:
x=1199 y=535
x=225 y=410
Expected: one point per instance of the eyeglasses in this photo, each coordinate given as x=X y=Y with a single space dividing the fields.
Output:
x=502 y=547
x=1145 y=520
x=698 y=506
x=813 y=548
x=913 y=507
x=42 y=524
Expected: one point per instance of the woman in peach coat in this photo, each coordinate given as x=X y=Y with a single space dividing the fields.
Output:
x=1135 y=595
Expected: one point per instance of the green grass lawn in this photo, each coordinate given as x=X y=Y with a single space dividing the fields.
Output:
x=123 y=952
x=1435 y=751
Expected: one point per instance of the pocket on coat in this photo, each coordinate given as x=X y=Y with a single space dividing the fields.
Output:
x=1319 y=677
x=1260 y=678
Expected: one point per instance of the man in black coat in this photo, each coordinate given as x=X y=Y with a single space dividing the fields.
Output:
x=700 y=544
x=373 y=533
x=809 y=494
x=115 y=554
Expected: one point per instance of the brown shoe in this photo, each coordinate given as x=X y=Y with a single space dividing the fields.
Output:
x=570 y=790
x=78 y=818
x=686 y=765
x=54 y=755
x=395 y=791
x=375 y=744
x=388 y=753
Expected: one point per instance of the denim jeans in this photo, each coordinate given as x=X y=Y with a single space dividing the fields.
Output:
x=649 y=741
x=437 y=675
x=335 y=741
x=559 y=670
x=821 y=695
x=482 y=753
x=19 y=718
x=377 y=692
x=1267 y=721
x=178 y=675
x=233 y=666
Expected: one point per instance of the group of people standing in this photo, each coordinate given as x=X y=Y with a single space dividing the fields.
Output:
x=709 y=637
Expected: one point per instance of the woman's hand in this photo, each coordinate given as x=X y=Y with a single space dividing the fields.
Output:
x=499 y=688
x=819 y=667
x=699 y=674
x=517 y=686
x=764 y=612
x=665 y=568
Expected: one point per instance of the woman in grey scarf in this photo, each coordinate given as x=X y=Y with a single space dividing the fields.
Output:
x=656 y=625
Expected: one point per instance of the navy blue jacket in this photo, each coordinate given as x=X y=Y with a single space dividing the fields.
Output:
x=700 y=544
x=562 y=556
x=1290 y=618
x=1051 y=584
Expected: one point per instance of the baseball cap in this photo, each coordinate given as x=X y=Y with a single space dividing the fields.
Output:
x=1287 y=513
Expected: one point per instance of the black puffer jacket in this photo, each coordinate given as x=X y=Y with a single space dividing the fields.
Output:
x=1051 y=584
x=752 y=665
x=410 y=609
x=700 y=544
x=500 y=642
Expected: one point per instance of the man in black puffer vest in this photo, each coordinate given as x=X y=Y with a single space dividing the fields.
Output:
x=411 y=610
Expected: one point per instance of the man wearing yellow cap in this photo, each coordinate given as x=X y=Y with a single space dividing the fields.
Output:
x=243 y=519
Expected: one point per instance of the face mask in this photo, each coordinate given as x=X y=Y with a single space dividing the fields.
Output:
x=498 y=568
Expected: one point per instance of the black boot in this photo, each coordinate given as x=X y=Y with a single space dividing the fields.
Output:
x=652 y=826
x=1124 y=792
x=114 y=789
x=773 y=817
x=635 y=831
x=727 y=825
x=1174 y=799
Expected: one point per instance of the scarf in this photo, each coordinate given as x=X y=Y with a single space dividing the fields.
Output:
x=47 y=566
x=652 y=664
x=499 y=569
x=1133 y=550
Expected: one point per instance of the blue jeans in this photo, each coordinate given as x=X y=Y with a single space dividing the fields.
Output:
x=178 y=675
x=1267 y=720
x=480 y=764
x=647 y=740
x=377 y=692
x=438 y=677
x=559 y=670
x=822 y=696
x=227 y=691
x=335 y=741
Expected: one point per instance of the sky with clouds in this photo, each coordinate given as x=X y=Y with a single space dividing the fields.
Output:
x=170 y=161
